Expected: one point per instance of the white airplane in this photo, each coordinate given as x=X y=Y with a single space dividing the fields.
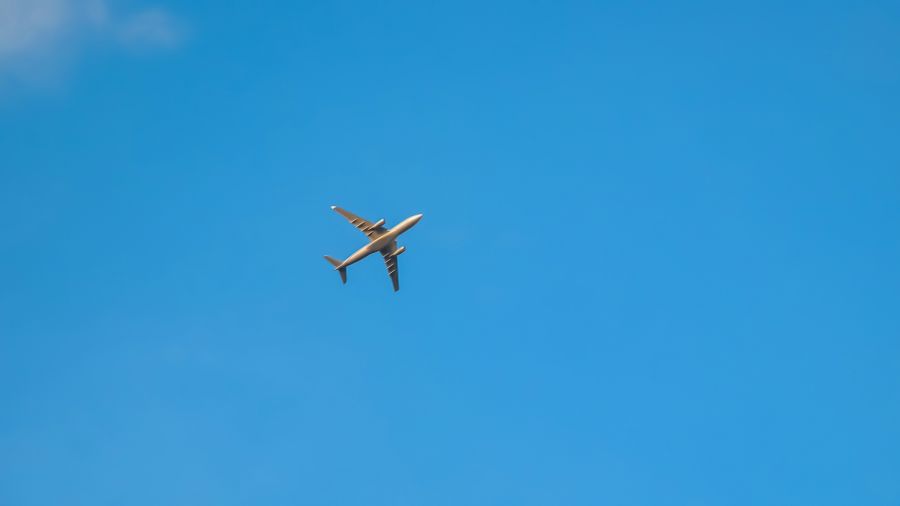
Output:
x=380 y=239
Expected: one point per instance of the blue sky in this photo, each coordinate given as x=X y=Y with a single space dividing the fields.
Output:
x=658 y=263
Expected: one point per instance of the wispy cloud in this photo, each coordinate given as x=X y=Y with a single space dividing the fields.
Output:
x=36 y=34
x=152 y=27
x=30 y=25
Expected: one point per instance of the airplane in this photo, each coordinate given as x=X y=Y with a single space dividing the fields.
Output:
x=381 y=239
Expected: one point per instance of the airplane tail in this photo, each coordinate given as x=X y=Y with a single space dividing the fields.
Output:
x=342 y=270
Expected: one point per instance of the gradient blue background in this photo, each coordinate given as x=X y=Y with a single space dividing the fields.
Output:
x=659 y=263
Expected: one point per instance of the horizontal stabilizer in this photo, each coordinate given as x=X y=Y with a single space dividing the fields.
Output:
x=336 y=263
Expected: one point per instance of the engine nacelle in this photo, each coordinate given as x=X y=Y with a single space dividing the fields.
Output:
x=399 y=250
x=376 y=225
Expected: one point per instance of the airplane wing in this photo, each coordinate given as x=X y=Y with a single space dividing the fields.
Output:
x=391 y=263
x=363 y=225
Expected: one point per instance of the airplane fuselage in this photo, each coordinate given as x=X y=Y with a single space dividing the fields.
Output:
x=382 y=242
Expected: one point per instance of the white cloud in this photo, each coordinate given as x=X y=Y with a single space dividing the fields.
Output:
x=35 y=33
x=29 y=25
x=153 y=27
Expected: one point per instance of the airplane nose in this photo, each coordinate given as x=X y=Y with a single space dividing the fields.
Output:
x=417 y=217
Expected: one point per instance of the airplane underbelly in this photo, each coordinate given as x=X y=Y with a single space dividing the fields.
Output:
x=381 y=242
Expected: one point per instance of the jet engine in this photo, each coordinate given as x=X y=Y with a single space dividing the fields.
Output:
x=399 y=250
x=376 y=225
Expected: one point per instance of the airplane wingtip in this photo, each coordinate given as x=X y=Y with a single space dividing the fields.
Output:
x=332 y=207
